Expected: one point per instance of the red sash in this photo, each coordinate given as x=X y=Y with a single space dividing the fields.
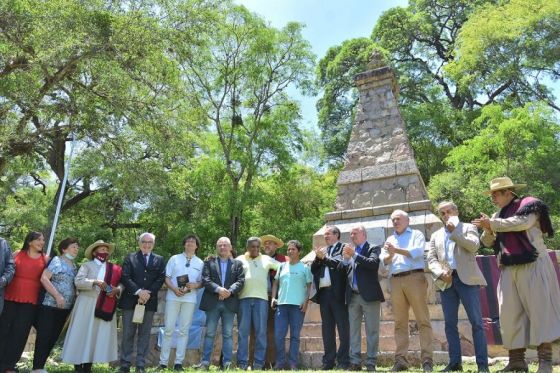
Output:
x=106 y=306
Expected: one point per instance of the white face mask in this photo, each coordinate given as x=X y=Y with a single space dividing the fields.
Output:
x=69 y=256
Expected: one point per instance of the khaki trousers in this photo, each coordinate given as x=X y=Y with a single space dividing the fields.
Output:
x=411 y=291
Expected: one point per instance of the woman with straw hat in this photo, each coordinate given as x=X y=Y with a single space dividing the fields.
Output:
x=92 y=333
x=528 y=291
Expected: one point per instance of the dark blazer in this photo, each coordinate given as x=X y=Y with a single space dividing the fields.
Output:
x=7 y=269
x=212 y=280
x=367 y=265
x=338 y=275
x=136 y=276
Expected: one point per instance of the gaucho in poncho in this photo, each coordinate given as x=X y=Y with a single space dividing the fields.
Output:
x=528 y=290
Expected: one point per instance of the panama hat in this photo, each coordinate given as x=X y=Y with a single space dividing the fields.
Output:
x=269 y=237
x=501 y=183
x=89 y=251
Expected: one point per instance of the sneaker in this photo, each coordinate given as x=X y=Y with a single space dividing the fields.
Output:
x=178 y=367
x=370 y=368
x=355 y=367
x=161 y=367
x=202 y=366
x=226 y=366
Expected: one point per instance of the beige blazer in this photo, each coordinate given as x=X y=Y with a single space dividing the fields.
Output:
x=465 y=243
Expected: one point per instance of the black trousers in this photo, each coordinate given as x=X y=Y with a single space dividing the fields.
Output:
x=50 y=322
x=334 y=314
x=15 y=324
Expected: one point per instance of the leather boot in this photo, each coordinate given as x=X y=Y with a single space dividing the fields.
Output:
x=516 y=362
x=545 y=358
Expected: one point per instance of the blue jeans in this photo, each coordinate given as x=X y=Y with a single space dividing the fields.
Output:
x=469 y=295
x=252 y=311
x=287 y=315
x=212 y=317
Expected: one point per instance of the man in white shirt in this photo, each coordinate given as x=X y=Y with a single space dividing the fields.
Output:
x=403 y=254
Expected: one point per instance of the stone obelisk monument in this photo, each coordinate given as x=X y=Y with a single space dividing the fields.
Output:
x=380 y=173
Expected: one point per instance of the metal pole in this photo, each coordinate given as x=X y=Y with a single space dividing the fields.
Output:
x=61 y=196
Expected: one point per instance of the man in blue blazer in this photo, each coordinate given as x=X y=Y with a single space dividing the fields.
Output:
x=223 y=279
x=363 y=296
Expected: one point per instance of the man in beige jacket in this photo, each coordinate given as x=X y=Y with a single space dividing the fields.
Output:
x=528 y=291
x=452 y=261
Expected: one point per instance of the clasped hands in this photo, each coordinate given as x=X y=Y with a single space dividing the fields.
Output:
x=347 y=251
x=223 y=293
x=482 y=222
x=103 y=285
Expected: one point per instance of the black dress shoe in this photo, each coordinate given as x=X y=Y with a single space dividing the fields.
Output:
x=178 y=367
x=399 y=366
x=452 y=368
x=370 y=368
x=327 y=367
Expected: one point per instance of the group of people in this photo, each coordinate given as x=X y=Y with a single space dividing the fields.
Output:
x=269 y=294
x=47 y=293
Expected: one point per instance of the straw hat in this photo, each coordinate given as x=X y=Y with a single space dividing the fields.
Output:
x=501 y=183
x=269 y=237
x=89 y=251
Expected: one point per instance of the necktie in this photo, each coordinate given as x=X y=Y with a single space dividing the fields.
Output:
x=354 y=276
x=146 y=259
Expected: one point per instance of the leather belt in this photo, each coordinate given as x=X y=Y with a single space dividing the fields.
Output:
x=406 y=273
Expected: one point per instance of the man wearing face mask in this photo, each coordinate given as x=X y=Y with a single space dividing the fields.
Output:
x=143 y=275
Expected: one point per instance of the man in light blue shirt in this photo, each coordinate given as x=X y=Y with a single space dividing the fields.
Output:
x=403 y=255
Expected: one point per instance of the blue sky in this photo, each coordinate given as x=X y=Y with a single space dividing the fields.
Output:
x=328 y=23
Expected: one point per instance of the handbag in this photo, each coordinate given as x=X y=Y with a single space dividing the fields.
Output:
x=138 y=316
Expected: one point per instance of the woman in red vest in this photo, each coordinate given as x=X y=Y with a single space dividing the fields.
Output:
x=21 y=300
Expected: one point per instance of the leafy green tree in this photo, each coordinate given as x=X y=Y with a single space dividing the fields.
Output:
x=452 y=58
x=522 y=143
x=509 y=51
x=238 y=71
x=99 y=71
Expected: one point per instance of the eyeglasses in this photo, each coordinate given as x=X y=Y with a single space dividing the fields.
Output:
x=146 y=241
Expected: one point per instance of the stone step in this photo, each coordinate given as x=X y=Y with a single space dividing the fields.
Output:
x=313 y=314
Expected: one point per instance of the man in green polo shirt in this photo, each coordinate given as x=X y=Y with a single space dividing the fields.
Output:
x=253 y=303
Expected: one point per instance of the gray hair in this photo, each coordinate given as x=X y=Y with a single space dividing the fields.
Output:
x=396 y=213
x=223 y=239
x=147 y=234
x=296 y=243
x=250 y=240
x=361 y=228
x=448 y=203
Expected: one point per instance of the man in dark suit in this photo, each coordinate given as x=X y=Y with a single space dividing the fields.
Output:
x=363 y=296
x=143 y=273
x=330 y=282
x=222 y=278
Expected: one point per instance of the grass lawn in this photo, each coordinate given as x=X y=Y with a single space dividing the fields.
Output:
x=104 y=368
